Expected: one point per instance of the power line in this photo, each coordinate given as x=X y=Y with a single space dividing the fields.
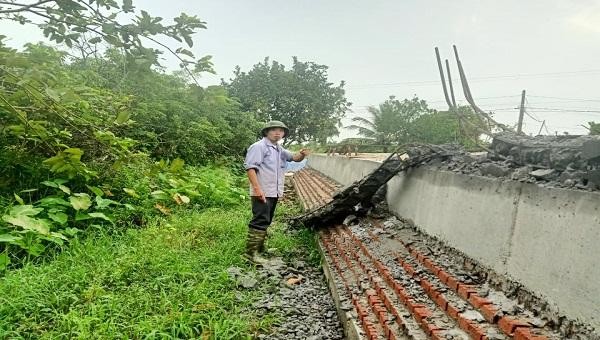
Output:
x=551 y=109
x=569 y=99
x=475 y=79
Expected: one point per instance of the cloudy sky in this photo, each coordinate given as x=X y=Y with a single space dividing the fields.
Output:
x=550 y=48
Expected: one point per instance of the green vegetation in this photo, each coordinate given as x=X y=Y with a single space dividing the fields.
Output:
x=167 y=280
x=396 y=122
x=122 y=197
x=303 y=97
x=594 y=128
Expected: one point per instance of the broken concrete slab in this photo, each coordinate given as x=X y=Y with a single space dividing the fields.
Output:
x=493 y=169
x=557 y=152
x=546 y=174
x=591 y=150
x=593 y=176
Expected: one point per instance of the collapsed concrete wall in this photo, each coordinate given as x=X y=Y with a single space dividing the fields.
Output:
x=544 y=238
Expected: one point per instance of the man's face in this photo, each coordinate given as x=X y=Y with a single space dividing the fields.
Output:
x=275 y=134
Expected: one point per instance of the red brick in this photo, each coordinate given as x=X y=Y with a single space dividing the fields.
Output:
x=490 y=313
x=435 y=269
x=412 y=305
x=478 y=301
x=443 y=276
x=508 y=325
x=421 y=313
x=397 y=287
x=404 y=297
x=431 y=329
x=452 y=311
x=426 y=286
x=438 y=335
x=465 y=290
x=463 y=323
x=382 y=317
x=452 y=283
x=441 y=301
x=475 y=331
x=427 y=262
x=409 y=269
x=523 y=333
x=399 y=321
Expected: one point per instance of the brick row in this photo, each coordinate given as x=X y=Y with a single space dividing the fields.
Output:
x=308 y=194
x=420 y=312
x=372 y=330
x=508 y=325
x=380 y=301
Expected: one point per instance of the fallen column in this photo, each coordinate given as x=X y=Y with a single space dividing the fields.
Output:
x=360 y=193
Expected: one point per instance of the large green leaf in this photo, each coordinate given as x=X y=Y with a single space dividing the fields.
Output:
x=80 y=201
x=54 y=184
x=64 y=189
x=131 y=192
x=159 y=194
x=19 y=199
x=38 y=225
x=59 y=217
x=122 y=117
x=53 y=202
x=24 y=210
x=8 y=238
x=81 y=216
x=102 y=203
x=101 y=216
x=97 y=191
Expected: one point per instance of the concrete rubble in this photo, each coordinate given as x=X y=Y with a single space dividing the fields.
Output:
x=553 y=161
x=297 y=292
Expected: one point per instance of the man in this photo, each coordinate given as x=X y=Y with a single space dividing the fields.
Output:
x=265 y=166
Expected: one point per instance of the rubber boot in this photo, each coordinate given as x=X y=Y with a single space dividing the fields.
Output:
x=261 y=245
x=256 y=239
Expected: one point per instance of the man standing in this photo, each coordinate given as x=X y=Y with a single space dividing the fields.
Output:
x=265 y=165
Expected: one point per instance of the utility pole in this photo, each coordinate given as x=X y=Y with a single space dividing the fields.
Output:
x=543 y=123
x=439 y=62
x=450 y=84
x=521 y=113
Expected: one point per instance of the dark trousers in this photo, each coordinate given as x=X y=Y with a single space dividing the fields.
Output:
x=262 y=212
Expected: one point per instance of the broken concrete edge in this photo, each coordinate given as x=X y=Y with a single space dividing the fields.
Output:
x=349 y=324
x=507 y=284
x=361 y=192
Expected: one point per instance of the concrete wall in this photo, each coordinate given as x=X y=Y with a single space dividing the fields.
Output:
x=345 y=170
x=547 y=239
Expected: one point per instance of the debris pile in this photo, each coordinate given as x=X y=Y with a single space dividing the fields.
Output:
x=554 y=161
x=297 y=293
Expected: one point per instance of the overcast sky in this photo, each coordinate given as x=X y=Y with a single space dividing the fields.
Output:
x=551 y=48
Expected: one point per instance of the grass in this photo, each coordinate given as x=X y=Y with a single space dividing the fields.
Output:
x=168 y=280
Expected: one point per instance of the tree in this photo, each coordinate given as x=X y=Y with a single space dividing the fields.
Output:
x=302 y=97
x=446 y=127
x=88 y=24
x=594 y=128
x=390 y=122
